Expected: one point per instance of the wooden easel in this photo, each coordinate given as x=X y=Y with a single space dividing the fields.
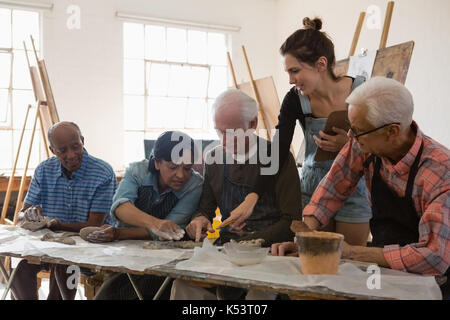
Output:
x=261 y=114
x=47 y=114
x=392 y=62
x=42 y=93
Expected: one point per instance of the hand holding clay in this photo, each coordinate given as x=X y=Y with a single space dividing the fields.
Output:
x=33 y=214
x=107 y=233
x=285 y=249
x=53 y=224
x=84 y=233
x=167 y=230
x=299 y=226
x=198 y=227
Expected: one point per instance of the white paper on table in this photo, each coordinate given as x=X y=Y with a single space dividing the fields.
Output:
x=362 y=65
x=128 y=253
x=286 y=271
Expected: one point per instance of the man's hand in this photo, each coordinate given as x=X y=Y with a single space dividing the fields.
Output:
x=32 y=214
x=106 y=234
x=237 y=217
x=346 y=251
x=53 y=225
x=332 y=143
x=284 y=249
x=167 y=230
x=198 y=227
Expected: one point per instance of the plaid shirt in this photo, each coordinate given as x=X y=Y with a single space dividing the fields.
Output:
x=430 y=195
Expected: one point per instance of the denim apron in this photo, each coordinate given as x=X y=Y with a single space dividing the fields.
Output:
x=312 y=172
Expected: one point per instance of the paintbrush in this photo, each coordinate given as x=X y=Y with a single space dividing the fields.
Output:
x=226 y=224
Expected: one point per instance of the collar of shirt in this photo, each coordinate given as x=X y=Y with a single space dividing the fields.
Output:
x=251 y=152
x=403 y=166
x=80 y=172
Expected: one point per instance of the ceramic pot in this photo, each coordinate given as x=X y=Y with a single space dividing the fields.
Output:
x=319 y=252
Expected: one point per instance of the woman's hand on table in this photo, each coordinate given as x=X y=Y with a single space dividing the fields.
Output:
x=167 y=230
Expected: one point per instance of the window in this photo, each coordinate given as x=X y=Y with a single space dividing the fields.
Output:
x=16 y=92
x=171 y=77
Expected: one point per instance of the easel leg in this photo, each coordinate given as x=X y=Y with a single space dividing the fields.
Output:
x=9 y=279
x=11 y=178
x=135 y=287
x=22 y=182
x=162 y=288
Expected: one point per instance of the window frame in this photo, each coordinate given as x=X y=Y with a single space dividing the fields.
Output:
x=9 y=124
x=206 y=131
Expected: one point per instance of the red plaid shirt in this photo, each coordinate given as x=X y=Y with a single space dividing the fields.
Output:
x=431 y=197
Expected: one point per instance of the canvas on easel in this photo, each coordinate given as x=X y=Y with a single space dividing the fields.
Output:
x=264 y=92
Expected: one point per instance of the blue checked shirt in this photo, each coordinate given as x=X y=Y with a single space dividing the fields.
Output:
x=90 y=189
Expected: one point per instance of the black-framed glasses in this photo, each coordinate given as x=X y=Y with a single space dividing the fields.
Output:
x=357 y=135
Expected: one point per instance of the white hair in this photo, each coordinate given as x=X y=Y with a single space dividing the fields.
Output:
x=386 y=100
x=235 y=97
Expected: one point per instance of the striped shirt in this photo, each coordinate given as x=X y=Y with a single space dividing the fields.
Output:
x=90 y=189
x=431 y=198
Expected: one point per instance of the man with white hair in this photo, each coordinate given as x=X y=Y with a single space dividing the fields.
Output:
x=407 y=174
x=230 y=170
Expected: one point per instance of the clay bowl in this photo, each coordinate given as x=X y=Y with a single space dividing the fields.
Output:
x=319 y=252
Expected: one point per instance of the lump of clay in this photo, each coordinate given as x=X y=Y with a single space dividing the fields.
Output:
x=44 y=222
x=61 y=238
x=87 y=231
x=253 y=242
x=156 y=245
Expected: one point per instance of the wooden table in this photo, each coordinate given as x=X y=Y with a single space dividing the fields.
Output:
x=169 y=271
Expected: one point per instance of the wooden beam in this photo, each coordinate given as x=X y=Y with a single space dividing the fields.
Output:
x=230 y=63
x=359 y=25
x=387 y=24
x=255 y=91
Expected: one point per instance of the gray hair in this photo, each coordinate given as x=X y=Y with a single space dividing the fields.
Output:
x=386 y=100
x=236 y=97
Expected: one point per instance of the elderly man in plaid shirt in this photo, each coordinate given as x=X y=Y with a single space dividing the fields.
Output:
x=407 y=174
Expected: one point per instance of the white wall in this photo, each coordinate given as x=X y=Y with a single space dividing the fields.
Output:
x=424 y=22
x=85 y=66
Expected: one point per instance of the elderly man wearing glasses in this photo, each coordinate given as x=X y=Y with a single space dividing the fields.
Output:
x=407 y=174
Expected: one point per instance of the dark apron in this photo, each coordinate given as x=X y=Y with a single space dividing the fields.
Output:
x=395 y=220
x=159 y=209
x=264 y=214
